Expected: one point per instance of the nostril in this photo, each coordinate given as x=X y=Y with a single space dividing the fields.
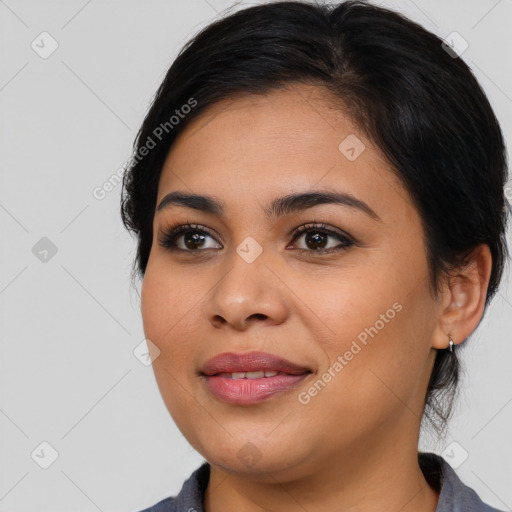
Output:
x=259 y=316
x=219 y=319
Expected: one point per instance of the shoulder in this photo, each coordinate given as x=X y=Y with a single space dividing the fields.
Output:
x=190 y=498
x=454 y=495
x=166 y=505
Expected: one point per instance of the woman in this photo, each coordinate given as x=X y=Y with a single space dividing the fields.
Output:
x=318 y=196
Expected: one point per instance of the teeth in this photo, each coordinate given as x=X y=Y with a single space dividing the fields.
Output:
x=255 y=375
x=260 y=374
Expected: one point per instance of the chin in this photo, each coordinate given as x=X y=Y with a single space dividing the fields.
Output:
x=245 y=455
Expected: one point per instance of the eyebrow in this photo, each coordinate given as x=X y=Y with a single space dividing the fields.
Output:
x=280 y=206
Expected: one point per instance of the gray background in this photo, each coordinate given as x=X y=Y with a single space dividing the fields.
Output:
x=70 y=323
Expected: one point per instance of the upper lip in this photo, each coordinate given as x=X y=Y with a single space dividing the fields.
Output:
x=230 y=362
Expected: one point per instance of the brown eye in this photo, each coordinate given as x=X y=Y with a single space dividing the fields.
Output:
x=319 y=239
x=187 y=238
x=315 y=240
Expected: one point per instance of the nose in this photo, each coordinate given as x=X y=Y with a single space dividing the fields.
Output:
x=247 y=294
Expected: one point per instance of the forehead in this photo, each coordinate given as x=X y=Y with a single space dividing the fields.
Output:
x=286 y=141
x=295 y=116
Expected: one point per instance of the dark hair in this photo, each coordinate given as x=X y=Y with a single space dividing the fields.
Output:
x=421 y=106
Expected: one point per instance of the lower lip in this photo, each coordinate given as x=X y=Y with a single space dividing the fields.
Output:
x=250 y=391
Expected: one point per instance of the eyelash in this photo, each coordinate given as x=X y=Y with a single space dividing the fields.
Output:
x=168 y=236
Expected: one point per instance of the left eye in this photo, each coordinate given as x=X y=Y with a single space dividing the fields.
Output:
x=316 y=239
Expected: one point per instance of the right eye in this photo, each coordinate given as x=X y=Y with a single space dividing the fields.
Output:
x=186 y=238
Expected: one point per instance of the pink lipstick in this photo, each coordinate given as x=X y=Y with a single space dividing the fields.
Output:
x=249 y=378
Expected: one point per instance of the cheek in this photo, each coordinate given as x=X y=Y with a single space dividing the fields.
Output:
x=377 y=339
x=166 y=304
x=154 y=307
x=344 y=306
x=165 y=308
x=378 y=360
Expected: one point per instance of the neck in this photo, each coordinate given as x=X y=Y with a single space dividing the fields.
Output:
x=371 y=481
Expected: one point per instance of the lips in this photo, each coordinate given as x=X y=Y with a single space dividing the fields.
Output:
x=230 y=362
x=244 y=379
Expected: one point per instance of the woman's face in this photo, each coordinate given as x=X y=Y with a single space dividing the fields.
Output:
x=346 y=303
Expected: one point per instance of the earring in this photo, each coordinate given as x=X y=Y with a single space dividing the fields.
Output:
x=451 y=344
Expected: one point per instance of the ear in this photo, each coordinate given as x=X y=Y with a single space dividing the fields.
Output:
x=463 y=299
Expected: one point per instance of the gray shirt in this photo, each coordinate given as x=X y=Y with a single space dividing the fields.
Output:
x=454 y=495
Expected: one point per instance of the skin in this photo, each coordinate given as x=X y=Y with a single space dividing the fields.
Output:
x=354 y=445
